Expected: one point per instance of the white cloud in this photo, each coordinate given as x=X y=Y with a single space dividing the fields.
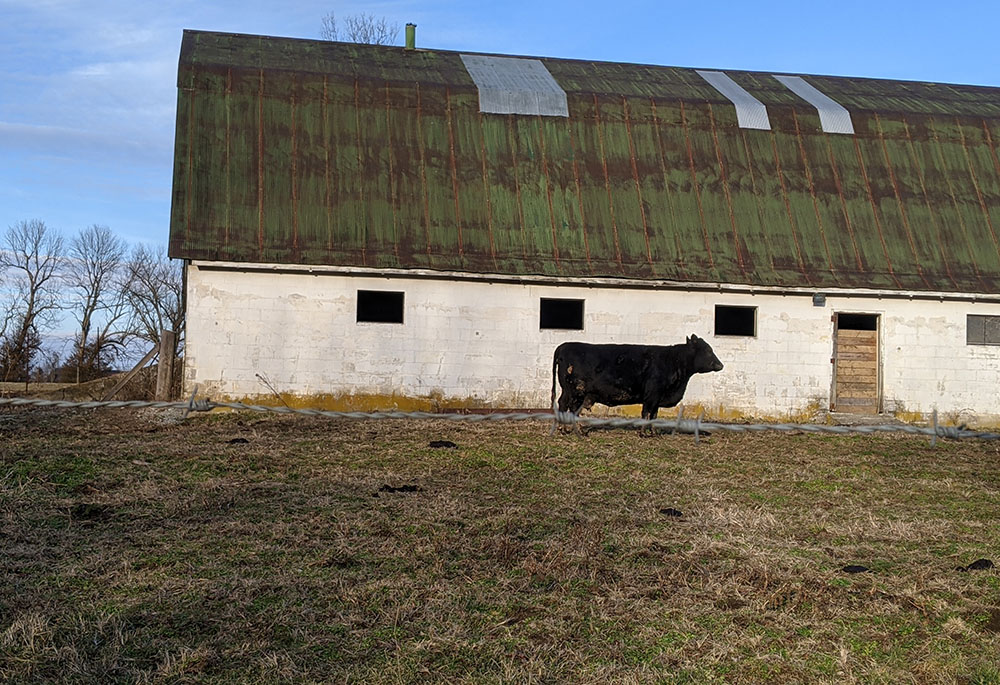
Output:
x=102 y=146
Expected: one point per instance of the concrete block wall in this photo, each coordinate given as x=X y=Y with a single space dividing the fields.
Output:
x=480 y=343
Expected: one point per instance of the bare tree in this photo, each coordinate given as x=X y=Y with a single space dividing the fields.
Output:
x=153 y=289
x=96 y=256
x=47 y=367
x=18 y=352
x=31 y=254
x=6 y=301
x=360 y=28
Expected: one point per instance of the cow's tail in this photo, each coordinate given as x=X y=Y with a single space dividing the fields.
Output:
x=552 y=401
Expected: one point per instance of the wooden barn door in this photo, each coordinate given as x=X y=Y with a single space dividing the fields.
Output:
x=856 y=364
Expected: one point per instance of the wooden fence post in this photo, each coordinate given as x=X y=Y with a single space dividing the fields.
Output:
x=130 y=375
x=165 y=368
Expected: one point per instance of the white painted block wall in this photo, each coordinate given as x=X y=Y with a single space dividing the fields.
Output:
x=481 y=342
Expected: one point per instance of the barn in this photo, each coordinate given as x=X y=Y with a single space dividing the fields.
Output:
x=374 y=227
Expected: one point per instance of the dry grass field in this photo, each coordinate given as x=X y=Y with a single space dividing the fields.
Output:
x=238 y=548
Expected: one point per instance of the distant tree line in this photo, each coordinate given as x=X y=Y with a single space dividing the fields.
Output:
x=119 y=297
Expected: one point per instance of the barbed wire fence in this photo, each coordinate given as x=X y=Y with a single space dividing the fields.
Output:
x=696 y=427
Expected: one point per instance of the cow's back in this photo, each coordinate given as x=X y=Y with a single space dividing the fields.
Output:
x=607 y=373
x=589 y=356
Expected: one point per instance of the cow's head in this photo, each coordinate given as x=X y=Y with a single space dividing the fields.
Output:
x=704 y=358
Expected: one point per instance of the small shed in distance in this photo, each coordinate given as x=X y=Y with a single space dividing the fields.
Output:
x=372 y=227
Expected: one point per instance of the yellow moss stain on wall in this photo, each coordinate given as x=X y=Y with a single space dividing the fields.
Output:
x=719 y=413
x=988 y=422
x=723 y=414
x=435 y=402
x=909 y=416
x=361 y=402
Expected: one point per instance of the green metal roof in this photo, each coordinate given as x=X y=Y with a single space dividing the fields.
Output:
x=316 y=152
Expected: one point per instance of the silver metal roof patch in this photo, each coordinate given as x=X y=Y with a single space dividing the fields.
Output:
x=511 y=85
x=833 y=117
x=750 y=112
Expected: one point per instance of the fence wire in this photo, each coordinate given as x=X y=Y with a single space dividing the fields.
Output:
x=696 y=427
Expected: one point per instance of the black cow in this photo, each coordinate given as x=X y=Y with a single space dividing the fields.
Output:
x=653 y=375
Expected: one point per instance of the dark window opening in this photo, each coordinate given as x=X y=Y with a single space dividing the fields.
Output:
x=380 y=306
x=857 y=322
x=561 y=314
x=731 y=320
x=982 y=330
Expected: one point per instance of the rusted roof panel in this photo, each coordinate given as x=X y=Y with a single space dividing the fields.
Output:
x=318 y=152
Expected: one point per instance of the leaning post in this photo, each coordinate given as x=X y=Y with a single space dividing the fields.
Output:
x=165 y=368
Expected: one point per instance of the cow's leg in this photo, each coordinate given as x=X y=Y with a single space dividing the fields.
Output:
x=654 y=413
x=576 y=403
x=561 y=405
x=570 y=401
x=584 y=403
x=649 y=411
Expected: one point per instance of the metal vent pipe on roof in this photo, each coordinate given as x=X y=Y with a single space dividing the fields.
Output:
x=411 y=36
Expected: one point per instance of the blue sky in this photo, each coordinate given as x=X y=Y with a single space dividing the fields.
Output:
x=88 y=88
